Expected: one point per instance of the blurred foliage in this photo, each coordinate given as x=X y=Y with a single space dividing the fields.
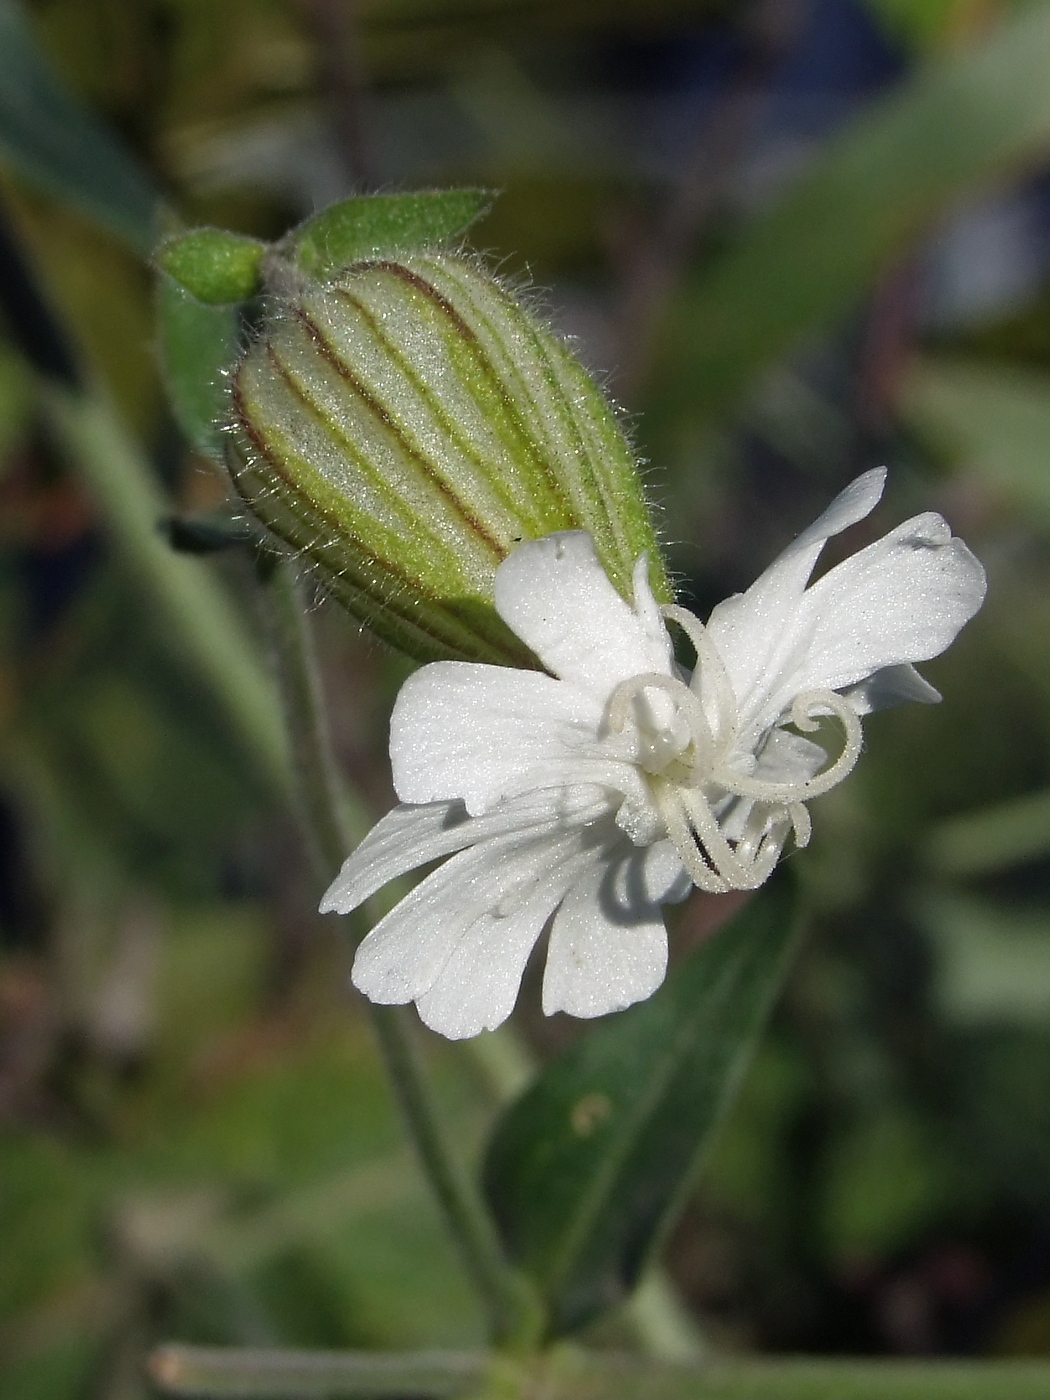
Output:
x=194 y=1139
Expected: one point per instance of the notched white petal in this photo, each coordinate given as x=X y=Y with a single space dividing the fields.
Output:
x=458 y=944
x=757 y=631
x=555 y=595
x=608 y=943
x=478 y=986
x=893 y=685
x=902 y=599
x=484 y=733
x=400 y=841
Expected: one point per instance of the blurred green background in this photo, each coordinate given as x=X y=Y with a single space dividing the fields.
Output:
x=796 y=238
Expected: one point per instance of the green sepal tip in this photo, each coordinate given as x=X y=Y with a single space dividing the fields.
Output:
x=366 y=225
x=213 y=265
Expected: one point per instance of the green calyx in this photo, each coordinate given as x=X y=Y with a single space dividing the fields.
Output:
x=400 y=420
x=405 y=424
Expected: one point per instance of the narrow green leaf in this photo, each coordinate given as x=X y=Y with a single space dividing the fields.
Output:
x=383 y=223
x=586 y=1170
x=212 y=264
x=993 y=419
x=993 y=959
x=959 y=125
x=198 y=343
x=58 y=145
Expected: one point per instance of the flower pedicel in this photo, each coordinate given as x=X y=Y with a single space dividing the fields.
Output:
x=610 y=786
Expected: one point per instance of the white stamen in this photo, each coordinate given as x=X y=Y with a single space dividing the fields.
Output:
x=679 y=831
x=801 y=712
x=710 y=664
x=684 y=780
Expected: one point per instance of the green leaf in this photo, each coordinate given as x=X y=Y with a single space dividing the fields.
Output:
x=586 y=1170
x=383 y=223
x=993 y=419
x=993 y=959
x=198 y=343
x=58 y=145
x=212 y=264
x=921 y=24
x=959 y=125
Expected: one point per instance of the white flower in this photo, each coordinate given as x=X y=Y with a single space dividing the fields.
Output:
x=612 y=785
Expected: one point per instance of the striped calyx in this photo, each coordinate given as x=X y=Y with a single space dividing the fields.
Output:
x=405 y=425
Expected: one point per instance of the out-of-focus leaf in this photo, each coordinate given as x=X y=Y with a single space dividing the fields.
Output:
x=358 y=228
x=995 y=838
x=16 y=400
x=53 y=141
x=993 y=961
x=960 y=124
x=885 y=1176
x=190 y=602
x=96 y=294
x=1001 y=1091
x=212 y=264
x=586 y=1170
x=198 y=343
x=925 y=24
x=994 y=420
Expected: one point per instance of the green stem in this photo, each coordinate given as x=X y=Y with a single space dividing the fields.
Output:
x=305 y=1375
x=331 y=824
x=332 y=830
x=570 y=1374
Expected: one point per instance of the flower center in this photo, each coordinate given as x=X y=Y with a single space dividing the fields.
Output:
x=684 y=747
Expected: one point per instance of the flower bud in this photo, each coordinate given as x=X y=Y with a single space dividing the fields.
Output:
x=405 y=424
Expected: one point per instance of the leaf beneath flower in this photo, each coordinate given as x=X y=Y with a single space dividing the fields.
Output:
x=587 y=1170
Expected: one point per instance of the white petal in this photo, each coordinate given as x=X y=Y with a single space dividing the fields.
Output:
x=647 y=609
x=788 y=758
x=664 y=879
x=411 y=836
x=465 y=932
x=404 y=838
x=751 y=629
x=478 y=986
x=902 y=599
x=555 y=595
x=484 y=733
x=608 y=943
x=891 y=686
